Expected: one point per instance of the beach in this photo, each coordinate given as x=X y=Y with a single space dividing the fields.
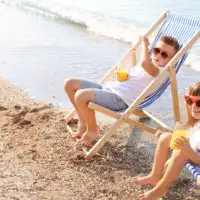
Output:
x=41 y=47
x=39 y=159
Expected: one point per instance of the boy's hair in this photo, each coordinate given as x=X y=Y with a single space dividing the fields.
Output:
x=170 y=41
x=195 y=89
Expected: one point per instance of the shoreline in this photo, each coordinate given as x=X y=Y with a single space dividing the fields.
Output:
x=40 y=161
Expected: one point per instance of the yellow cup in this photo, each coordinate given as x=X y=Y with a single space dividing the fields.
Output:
x=122 y=75
x=181 y=130
x=175 y=134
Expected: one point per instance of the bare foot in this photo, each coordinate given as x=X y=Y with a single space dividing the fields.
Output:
x=143 y=180
x=80 y=131
x=154 y=194
x=88 y=139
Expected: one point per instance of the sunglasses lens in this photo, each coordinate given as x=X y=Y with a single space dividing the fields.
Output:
x=198 y=103
x=164 y=54
x=156 y=50
x=189 y=101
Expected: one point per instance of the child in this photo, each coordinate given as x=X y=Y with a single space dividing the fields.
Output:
x=120 y=96
x=189 y=151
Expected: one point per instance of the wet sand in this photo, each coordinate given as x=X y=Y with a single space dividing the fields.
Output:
x=39 y=159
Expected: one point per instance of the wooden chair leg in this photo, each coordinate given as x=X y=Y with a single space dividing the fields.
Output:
x=198 y=181
x=70 y=115
x=163 y=127
x=174 y=92
x=69 y=129
x=104 y=139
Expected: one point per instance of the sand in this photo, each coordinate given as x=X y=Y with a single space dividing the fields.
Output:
x=39 y=160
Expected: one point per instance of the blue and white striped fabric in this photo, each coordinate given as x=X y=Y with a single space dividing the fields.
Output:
x=183 y=29
x=193 y=169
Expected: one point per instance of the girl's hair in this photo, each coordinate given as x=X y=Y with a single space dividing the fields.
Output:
x=195 y=89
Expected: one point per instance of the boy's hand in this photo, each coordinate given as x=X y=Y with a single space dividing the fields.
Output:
x=144 y=40
x=180 y=142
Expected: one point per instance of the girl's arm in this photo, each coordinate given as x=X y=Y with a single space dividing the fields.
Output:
x=145 y=59
x=184 y=145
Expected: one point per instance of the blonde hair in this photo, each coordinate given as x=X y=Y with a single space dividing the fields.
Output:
x=195 y=89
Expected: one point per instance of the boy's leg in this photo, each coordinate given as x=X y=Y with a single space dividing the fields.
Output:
x=71 y=86
x=174 y=168
x=101 y=97
x=82 y=98
x=161 y=156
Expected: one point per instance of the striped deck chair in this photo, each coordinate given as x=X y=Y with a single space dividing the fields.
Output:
x=194 y=170
x=186 y=31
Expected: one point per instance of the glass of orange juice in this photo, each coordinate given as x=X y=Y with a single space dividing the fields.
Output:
x=181 y=130
x=122 y=74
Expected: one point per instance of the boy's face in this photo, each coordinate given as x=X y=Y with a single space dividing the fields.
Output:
x=162 y=54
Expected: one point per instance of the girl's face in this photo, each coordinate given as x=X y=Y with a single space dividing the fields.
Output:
x=193 y=102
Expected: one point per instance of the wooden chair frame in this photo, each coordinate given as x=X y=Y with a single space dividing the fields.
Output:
x=124 y=117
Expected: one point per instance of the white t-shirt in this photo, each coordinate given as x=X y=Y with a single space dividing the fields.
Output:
x=194 y=138
x=130 y=89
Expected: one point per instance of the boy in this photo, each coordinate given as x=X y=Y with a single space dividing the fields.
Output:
x=120 y=96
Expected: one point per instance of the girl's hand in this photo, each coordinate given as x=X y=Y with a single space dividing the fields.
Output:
x=180 y=142
x=158 y=133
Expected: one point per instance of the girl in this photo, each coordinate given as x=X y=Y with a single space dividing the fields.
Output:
x=189 y=151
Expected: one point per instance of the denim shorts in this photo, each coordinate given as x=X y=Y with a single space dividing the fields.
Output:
x=104 y=98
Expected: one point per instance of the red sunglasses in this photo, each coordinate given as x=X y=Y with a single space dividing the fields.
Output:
x=190 y=100
x=157 y=51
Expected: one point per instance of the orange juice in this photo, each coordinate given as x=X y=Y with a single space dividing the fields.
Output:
x=122 y=75
x=175 y=134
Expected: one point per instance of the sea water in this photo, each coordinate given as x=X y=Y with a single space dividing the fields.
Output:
x=43 y=42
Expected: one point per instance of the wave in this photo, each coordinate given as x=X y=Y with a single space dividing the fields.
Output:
x=46 y=10
x=98 y=23
x=193 y=61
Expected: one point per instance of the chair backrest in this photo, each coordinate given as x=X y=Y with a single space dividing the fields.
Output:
x=183 y=29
